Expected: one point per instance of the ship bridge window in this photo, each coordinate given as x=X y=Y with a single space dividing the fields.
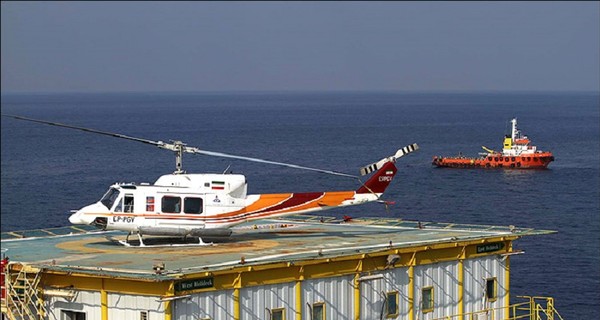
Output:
x=192 y=205
x=171 y=204
x=109 y=198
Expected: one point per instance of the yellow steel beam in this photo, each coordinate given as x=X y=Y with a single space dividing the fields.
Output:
x=356 y=296
x=411 y=287
x=236 y=297
x=103 y=302
x=298 y=288
x=507 y=276
x=169 y=303
x=461 y=281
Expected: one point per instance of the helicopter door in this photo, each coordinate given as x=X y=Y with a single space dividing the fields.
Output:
x=128 y=203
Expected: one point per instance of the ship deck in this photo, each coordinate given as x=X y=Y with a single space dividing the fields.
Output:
x=298 y=238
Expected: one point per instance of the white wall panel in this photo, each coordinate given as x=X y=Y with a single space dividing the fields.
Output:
x=84 y=301
x=443 y=277
x=125 y=306
x=213 y=305
x=255 y=300
x=477 y=270
x=372 y=293
x=337 y=293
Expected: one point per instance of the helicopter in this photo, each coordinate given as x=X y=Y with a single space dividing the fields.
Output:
x=207 y=205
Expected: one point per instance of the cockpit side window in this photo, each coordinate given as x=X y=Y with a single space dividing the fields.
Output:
x=119 y=206
x=109 y=198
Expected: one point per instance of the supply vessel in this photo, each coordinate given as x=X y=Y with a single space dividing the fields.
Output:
x=517 y=153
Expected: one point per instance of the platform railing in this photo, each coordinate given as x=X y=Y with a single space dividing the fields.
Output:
x=534 y=308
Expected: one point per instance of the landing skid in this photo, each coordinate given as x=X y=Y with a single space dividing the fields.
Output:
x=158 y=242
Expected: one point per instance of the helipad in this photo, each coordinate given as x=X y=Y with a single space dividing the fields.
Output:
x=296 y=255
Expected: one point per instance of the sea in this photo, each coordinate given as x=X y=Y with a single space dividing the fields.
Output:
x=47 y=171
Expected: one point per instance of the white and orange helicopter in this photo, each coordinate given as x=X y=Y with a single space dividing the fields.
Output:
x=208 y=204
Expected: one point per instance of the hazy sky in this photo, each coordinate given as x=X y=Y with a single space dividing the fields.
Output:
x=298 y=46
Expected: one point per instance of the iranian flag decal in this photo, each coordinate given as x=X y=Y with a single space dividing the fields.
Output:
x=218 y=185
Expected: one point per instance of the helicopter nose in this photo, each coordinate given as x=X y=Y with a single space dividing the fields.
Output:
x=77 y=218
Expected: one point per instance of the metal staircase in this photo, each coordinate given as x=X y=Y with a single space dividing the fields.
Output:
x=23 y=298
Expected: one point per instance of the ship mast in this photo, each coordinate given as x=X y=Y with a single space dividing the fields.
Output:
x=514 y=129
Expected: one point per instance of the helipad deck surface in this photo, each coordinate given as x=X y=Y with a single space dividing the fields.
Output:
x=289 y=239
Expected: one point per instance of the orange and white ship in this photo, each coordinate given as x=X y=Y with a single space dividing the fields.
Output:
x=517 y=153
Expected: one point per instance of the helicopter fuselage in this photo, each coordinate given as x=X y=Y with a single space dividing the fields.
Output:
x=209 y=204
x=181 y=204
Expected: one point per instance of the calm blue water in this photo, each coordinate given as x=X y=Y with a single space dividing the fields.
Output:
x=47 y=171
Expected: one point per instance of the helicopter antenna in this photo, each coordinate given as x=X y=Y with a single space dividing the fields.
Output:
x=179 y=148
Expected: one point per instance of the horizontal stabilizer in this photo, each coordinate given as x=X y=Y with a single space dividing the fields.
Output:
x=377 y=165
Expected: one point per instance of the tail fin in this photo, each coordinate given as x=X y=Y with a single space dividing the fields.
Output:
x=380 y=180
x=385 y=171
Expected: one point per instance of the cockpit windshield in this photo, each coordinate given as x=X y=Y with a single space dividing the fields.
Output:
x=109 y=197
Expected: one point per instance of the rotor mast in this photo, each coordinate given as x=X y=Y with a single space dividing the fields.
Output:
x=179 y=148
x=178 y=157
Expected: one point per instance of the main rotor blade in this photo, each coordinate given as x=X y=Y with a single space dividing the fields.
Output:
x=225 y=155
x=117 y=135
x=179 y=147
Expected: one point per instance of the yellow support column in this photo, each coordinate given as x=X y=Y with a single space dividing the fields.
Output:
x=103 y=303
x=461 y=282
x=411 y=292
x=411 y=286
x=507 y=277
x=356 y=296
x=169 y=303
x=236 y=297
x=359 y=269
x=236 y=303
x=298 y=288
x=461 y=287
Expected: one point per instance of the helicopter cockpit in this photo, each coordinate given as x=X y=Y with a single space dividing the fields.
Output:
x=109 y=198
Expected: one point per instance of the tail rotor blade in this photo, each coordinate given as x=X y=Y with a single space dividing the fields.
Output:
x=372 y=167
x=406 y=150
x=400 y=153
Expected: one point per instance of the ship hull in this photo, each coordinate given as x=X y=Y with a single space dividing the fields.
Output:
x=530 y=161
